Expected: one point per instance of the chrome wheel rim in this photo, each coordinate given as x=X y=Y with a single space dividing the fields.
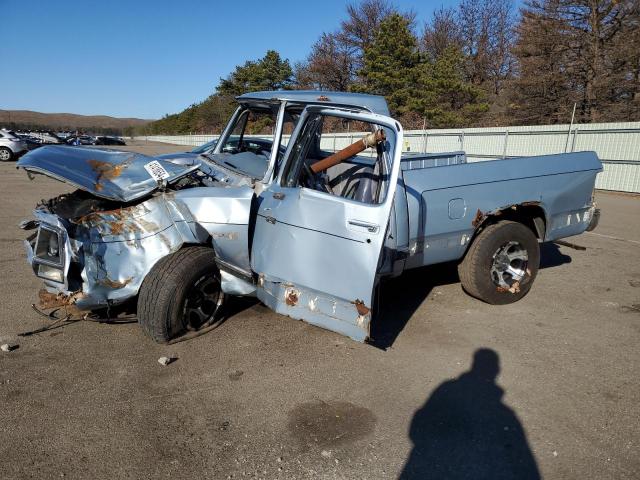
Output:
x=509 y=266
x=202 y=302
x=4 y=155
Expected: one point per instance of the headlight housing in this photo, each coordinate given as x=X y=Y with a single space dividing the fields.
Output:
x=48 y=258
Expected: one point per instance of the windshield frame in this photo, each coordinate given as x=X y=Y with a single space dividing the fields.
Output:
x=275 y=147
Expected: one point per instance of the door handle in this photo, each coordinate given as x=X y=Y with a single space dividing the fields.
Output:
x=370 y=227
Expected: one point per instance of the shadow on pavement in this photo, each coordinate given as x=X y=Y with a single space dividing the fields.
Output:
x=465 y=431
x=400 y=297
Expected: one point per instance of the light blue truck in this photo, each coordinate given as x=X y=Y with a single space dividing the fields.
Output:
x=307 y=226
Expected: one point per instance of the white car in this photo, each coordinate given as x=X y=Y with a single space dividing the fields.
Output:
x=11 y=146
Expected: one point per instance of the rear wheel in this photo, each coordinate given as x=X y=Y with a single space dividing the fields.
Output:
x=5 y=154
x=501 y=263
x=180 y=293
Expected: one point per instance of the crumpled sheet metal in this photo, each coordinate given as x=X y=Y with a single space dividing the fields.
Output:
x=117 y=249
x=110 y=174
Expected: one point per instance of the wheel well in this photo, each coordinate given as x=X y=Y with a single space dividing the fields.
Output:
x=530 y=214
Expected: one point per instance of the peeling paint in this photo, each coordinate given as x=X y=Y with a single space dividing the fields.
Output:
x=361 y=307
x=115 y=284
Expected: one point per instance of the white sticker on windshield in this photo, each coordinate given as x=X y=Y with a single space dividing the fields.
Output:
x=156 y=170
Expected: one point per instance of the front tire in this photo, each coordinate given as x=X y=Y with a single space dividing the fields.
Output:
x=501 y=263
x=180 y=293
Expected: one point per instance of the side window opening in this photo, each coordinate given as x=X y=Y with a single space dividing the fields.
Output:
x=340 y=157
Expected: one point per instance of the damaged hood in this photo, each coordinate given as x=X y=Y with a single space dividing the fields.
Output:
x=110 y=174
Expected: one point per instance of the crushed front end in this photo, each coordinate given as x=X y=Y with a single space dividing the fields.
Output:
x=93 y=247
x=90 y=252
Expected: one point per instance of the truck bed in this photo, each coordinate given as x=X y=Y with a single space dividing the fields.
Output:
x=443 y=202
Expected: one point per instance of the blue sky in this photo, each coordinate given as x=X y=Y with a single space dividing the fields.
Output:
x=146 y=58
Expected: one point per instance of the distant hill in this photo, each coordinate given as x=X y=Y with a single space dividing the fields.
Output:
x=66 y=121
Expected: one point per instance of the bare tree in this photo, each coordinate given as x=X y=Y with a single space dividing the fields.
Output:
x=441 y=32
x=487 y=35
x=363 y=21
x=331 y=65
x=586 y=50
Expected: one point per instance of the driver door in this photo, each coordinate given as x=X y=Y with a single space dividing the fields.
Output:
x=316 y=253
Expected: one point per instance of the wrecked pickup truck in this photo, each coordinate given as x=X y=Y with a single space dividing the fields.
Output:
x=307 y=226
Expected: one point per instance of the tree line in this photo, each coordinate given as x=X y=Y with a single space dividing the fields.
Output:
x=481 y=63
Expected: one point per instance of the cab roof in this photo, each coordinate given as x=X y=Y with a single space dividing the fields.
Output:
x=372 y=103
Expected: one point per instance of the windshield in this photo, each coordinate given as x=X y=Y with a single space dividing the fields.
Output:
x=206 y=147
x=248 y=147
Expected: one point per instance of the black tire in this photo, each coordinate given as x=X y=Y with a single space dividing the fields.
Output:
x=170 y=293
x=4 y=151
x=489 y=253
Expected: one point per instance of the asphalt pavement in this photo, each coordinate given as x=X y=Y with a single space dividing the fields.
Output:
x=455 y=388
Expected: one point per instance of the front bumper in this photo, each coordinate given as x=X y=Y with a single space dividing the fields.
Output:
x=595 y=219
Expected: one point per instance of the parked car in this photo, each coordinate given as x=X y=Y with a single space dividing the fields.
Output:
x=11 y=146
x=311 y=232
x=108 y=140
x=80 y=140
x=46 y=137
x=32 y=142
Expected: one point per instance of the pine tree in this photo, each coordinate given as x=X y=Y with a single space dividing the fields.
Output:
x=391 y=63
x=443 y=95
x=268 y=73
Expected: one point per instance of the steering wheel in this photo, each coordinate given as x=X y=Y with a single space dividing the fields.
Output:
x=311 y=180
x=309 y=176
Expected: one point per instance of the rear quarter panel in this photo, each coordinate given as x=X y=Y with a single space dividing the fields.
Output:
x=444 y=201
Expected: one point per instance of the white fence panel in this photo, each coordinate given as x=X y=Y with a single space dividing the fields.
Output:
x=617 y=145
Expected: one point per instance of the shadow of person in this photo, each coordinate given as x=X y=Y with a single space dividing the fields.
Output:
x=464 y=431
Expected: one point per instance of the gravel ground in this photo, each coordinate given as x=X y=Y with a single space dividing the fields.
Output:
x=547 y=387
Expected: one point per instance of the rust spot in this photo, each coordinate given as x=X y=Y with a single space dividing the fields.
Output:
x=515 y=288
x=116 y=228
x=323 y=98
x=361 y=307
x=478 y=219
x=118 y=222
x=292 y=298
x=115 y=284
x=55 y=300
x=108 y=170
